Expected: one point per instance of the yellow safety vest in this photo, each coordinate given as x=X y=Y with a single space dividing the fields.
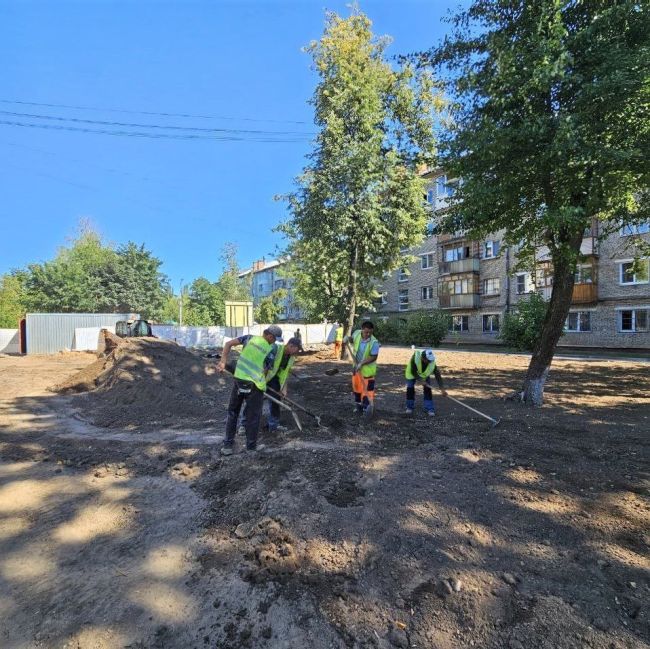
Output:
x=281 y=374
x=422 y=374
x=367 y=371
x=339 y=335
x=250 y=366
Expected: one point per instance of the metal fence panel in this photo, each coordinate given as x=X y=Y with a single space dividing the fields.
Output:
x=49 y=333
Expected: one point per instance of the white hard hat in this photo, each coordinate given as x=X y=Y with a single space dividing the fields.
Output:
x=430 y=355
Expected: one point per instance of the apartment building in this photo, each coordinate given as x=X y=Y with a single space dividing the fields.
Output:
x=477 y=282
x=265 y=278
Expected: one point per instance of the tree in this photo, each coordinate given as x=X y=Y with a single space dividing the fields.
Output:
x=522 y=327
x=132 y=281
x=270 y=307
x=232 y=286
x=206 y=304
x=550 y=132
x=359 y=202
x=91 y=276
x=11 y=300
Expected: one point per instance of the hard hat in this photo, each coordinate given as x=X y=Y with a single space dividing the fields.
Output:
x=430 y=355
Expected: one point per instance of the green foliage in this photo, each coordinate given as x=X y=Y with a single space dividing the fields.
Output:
x=522 y=327
x=423 y=328
x=270 y=307
x=90 y=276
x=391 y=330
x=205 y=305
x=359 y=201
x=11 y=300
x=549 y=131
x=427 y=329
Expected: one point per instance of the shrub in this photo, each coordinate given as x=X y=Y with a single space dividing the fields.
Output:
x=523 y=325
x=391 y=330
x=426 y=328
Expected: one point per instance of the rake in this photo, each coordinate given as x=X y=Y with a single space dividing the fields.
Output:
x=495 y=422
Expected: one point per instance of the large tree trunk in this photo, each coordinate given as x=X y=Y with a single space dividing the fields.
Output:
x=540 y=363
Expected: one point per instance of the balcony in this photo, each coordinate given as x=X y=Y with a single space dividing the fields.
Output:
x=470 y=265
x=584 y=293
x=460 y=301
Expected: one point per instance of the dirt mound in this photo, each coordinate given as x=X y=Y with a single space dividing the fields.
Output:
x=145 y=383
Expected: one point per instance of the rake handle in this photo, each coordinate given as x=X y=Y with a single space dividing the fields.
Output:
x=478 y=412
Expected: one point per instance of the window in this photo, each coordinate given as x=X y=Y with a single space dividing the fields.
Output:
x=491 y=323
x=524 y=284
x=491 y=286
x=426 y=261
x=633 y=320
x=403 y=299
x=459 y=323
x=380 y=299
x=426 y=292
x=578 y=321
x=634 y=272
x=279 y=283
x=631 y=230
x=457 y=253
x=403 y=275
x=490 y=249
x=457 y=287
x=584 y=274
x=431 y=196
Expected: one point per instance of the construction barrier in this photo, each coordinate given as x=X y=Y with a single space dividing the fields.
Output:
x=9 y=341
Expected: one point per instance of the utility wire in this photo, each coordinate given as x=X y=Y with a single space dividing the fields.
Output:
x=199 y=129
x=162 y=114
x=172 y=136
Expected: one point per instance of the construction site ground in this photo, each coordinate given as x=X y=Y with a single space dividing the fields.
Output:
x=121 y=526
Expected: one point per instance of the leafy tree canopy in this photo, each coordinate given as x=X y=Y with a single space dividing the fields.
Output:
x=359 y=201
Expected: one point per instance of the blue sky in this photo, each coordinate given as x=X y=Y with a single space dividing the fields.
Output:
x=238 y=64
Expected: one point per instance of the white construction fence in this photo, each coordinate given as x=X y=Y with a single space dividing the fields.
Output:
x=9 y=341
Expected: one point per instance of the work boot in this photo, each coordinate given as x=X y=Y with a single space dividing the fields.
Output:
x=358 y=410
x=431 y=413
x=278 y=429
x=226 y=450
x=241 y=430
x=258 y=447
x=408 y=411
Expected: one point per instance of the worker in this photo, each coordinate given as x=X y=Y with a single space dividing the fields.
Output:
x=338 y=341
x=255 y=361
x=422 y=365
x=276 y=379
x=366 y=350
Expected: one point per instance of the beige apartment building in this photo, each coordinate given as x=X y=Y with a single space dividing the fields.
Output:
x=477 y=282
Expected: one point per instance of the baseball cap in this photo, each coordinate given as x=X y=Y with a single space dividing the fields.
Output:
x=274 y=330
x=430 y=355
x=296 y=342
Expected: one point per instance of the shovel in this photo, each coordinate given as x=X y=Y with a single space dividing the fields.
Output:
x=279 y=403
x=296 y=405
x=495 y=422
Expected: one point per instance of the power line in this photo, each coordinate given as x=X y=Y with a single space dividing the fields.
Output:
x=161 y=114
x=173 y=127
x=140 y=134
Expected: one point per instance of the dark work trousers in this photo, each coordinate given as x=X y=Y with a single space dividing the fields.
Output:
x=253 y=412
x=274 y=416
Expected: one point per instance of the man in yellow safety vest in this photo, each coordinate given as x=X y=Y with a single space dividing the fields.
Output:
x=276 y=378
x=366 y=349
x=255 y=361
x=421 y=366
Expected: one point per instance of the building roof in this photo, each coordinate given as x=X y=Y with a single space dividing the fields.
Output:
x=262 y=265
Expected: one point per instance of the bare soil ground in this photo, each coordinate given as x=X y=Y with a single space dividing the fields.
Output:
x=121 y=526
